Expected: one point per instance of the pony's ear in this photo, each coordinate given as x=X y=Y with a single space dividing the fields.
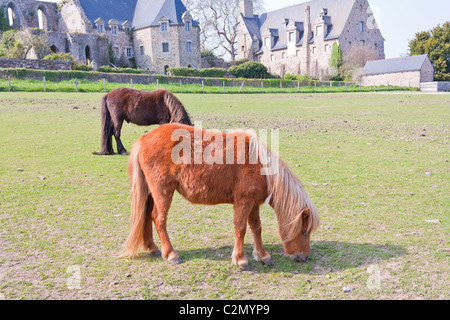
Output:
x=305 y=213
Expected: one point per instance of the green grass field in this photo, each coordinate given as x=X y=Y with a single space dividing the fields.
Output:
x=376 y=166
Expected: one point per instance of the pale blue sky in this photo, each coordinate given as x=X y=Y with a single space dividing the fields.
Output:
x=398 y=20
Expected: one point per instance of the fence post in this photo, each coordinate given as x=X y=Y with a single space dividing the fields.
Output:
x=346 y=89
x=315 y=87
x=76 y=85
x=131 y=82
x=281 y=86
x=43 y=80
x=298 y=86
x=242 y=85
x=203 y=86
x=223 y=84
x=331 y=86
x=104 y=84
x=181 y=86
x=374 y=87
x=262 y=86
x=9 y=83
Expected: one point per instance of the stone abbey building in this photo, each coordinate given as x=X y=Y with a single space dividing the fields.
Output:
x=298 y=39
x=151 y=34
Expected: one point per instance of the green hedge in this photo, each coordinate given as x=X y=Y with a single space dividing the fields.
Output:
x=205 y=73
x=109 y=69
x=250 y=70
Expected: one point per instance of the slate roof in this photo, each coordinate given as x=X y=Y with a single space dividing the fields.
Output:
x=141 y=13
x=121 y=10
x=148 y=12
x=338 y=13
x=404 y=64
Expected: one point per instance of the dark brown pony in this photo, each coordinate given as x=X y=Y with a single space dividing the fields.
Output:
x=156 y=169
x=139 y=107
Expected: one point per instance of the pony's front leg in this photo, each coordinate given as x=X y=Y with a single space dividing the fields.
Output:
x=259 y=253
x=241 y=213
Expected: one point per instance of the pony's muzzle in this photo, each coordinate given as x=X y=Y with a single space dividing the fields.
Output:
x=299 y=256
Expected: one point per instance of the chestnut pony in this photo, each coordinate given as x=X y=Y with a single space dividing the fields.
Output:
x=155 y=174
x=139 y=107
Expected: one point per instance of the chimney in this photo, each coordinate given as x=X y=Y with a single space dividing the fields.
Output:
x=307 y=26
x=247 y=8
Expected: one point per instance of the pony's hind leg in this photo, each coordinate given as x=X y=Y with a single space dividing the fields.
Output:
x=148 y=230
x=241 y=213
x=120 y=148
x=163 y=199
x=118 y=122
x=259 y=252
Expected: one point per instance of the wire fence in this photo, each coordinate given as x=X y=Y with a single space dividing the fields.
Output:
x=189 y=85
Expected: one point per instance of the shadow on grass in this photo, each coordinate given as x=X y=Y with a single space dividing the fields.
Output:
x=325 y=257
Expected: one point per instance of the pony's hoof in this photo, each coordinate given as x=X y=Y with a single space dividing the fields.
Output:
x=244 y=267
x=267 y=262
x=176 y=261
x=124 y=153
x=155 y=253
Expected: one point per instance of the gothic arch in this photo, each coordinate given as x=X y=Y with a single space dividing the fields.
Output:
x=42 y=16
x=87 y=51
x=14 y=15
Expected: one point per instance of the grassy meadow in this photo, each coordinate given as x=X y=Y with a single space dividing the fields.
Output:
x=376 y=166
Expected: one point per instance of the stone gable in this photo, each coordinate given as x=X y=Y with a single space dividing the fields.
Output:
x=299 y=39
x=86 y=29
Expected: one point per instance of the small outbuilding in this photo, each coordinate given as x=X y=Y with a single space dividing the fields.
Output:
x=404 y=72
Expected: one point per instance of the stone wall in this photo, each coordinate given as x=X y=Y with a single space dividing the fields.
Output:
x=35 y=64
x=436 y=86
x=401 y=79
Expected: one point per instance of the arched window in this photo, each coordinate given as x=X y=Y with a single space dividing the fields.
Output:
x=42 y=18
x=88 y=54
x=13 y=16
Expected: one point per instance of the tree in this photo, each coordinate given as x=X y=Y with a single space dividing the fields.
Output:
x=250 y=69
x=10 y=47
x=355 y=59
x=336 y=60
x=436 y=44
x=4 y=21
x=219 y=21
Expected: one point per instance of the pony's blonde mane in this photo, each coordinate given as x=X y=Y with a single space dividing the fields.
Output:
x=286 y=193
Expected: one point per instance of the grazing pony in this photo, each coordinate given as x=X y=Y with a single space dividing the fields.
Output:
x=139 y=107
x=158 y=166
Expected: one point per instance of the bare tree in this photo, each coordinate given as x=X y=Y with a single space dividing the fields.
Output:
x=219 y=23
x=357 y=57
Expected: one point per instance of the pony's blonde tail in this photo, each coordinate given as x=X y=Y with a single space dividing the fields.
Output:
x=138 y=194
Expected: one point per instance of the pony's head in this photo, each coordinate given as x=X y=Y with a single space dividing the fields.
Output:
x=297 y=245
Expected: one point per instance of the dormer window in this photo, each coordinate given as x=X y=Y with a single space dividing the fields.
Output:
x=291 y=37
x=187 y=19
x=319 y=31
x=114 y=25
x=164 y=26
x=100 y=25
x=127 y=27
